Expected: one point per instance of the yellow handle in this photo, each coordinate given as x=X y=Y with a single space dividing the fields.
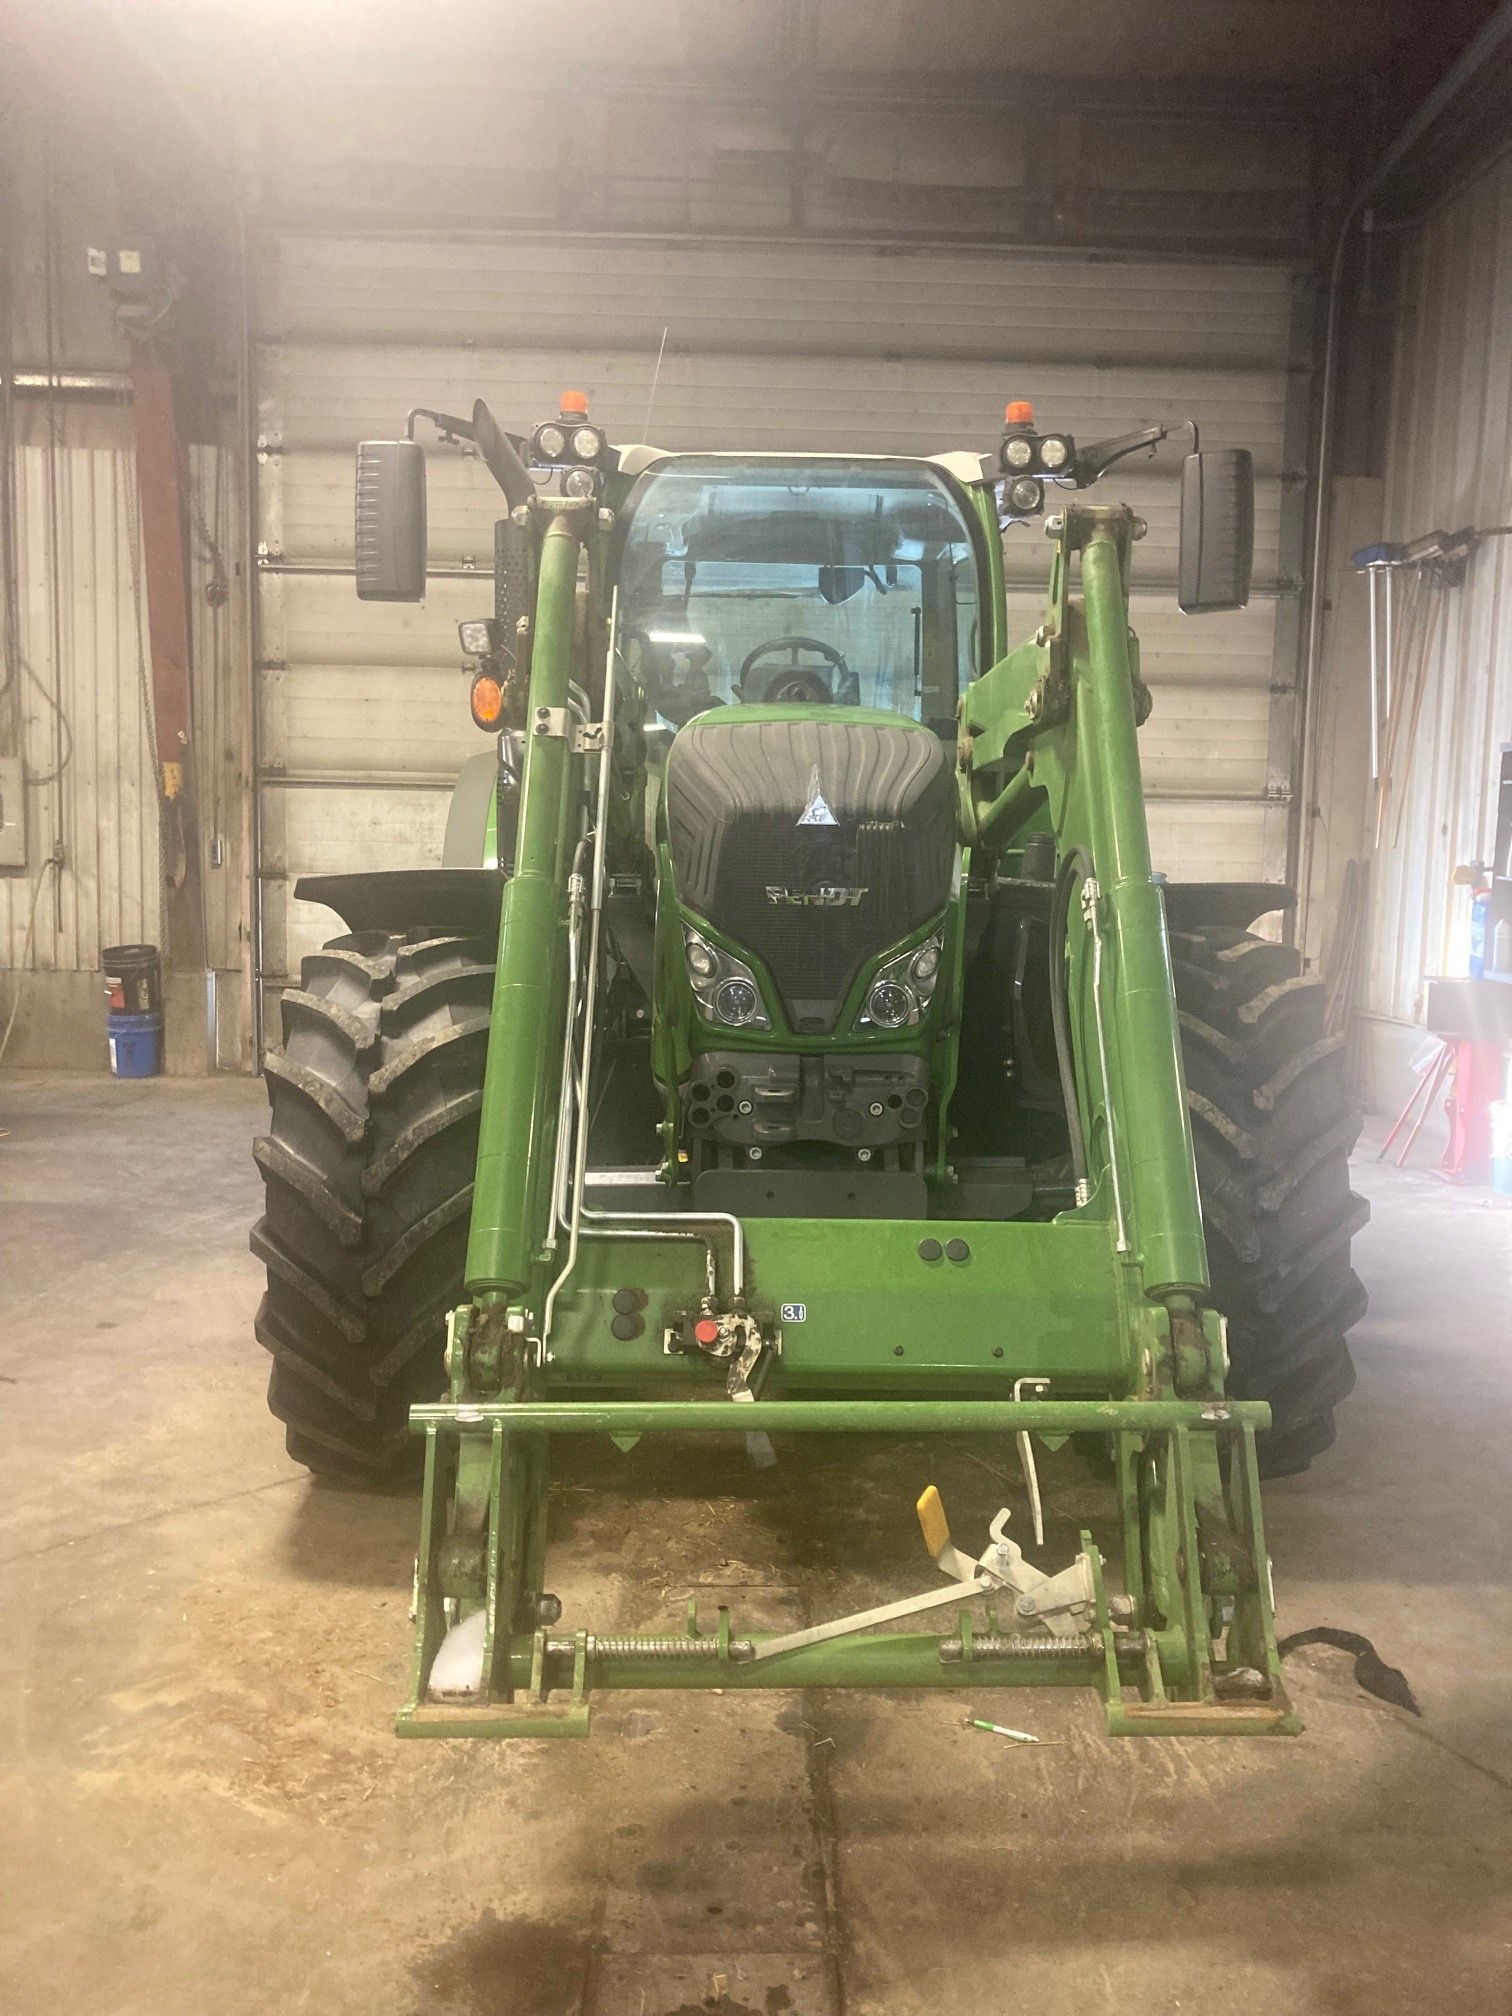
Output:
x=932 y=1521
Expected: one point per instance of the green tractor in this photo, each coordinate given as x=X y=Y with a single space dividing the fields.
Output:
x=796 y=1038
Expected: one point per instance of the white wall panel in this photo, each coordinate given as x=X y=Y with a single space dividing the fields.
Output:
x=1210 y=840
x=838 y=301
x=321 y=622
x=338 y=720
x=104 y=806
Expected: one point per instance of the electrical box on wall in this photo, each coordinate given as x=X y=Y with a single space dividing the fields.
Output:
x=12 y=813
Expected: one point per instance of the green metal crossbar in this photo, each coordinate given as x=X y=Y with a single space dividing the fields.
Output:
x=836 y=1417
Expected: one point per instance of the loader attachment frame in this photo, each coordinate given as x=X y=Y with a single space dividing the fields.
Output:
x=866 y=1326
x=1162 y=1678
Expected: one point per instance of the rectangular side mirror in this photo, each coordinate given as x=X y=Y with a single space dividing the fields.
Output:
x=391 y=535
x=1217 y=530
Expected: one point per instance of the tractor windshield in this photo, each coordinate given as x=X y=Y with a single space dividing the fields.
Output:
x=822 y=582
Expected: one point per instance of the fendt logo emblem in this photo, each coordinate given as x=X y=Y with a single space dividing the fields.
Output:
x=826 y=897
x=816 y=812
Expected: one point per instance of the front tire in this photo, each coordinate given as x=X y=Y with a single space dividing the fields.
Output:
x=368 y=1170
x=1273 y=1124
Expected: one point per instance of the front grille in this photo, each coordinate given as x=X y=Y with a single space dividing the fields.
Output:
x=813 y=843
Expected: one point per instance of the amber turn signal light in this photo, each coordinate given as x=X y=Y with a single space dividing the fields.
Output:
x=487 y=701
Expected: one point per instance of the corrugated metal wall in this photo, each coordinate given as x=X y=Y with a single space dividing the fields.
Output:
x=895 y=349
x=83 y=640
x=85 y=698
x=1449 y=465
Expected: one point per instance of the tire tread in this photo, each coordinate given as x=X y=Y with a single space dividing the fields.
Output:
x=1272 y=1126
x=367 y=1163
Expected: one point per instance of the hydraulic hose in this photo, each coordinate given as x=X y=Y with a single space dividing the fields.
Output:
x=1076 y=864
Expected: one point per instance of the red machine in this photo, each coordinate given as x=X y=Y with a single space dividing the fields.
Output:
x=1474 y=1020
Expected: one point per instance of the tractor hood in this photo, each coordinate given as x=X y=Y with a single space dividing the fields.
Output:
x=814 y=840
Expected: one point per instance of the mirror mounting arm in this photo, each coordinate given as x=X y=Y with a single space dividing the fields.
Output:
x=501 y=452
x=1098 y=457
x=447 y=425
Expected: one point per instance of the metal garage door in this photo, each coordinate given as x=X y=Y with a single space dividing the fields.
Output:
x=903 y=350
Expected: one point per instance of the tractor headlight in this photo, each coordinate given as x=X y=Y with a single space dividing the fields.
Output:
x=724 y=987
x=1026 y=495
x=903 y=989
x=580 y=483
x=1018 y=452
x=891 y=1005
x=1054 y=453
x=703 y=960
x=587 y=443
x=550 y=442
x=737 y=1002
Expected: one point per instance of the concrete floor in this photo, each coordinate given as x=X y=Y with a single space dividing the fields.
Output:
x=202 y=1807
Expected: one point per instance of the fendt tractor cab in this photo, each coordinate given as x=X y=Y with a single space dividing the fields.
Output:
x=790 y=1041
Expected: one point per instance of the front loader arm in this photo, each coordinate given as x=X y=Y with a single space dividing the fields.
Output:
x=1054 y=726
x=521 y=1087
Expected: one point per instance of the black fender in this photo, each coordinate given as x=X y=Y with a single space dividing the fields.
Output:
x=464 y=900
x=1190 y=905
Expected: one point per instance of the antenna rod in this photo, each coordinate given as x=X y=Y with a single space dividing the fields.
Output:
x=655 y=381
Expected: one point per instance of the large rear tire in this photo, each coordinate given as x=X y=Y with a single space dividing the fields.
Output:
x=1273 y=1123
x=368 y=1171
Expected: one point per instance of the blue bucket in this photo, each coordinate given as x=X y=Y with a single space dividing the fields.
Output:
x=136 y=1045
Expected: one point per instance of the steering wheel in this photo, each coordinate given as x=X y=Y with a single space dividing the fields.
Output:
x=794 y=682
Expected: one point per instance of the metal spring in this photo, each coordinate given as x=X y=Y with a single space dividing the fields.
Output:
x=990 y=1646
x=651 y=1648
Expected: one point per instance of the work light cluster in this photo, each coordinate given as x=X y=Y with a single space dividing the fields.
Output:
x=571 y=443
